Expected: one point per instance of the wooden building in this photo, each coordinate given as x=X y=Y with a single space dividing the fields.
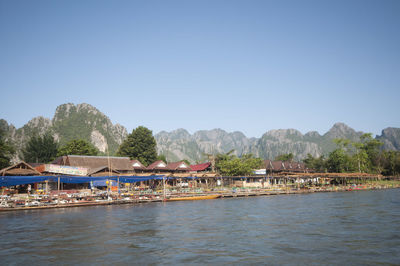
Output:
x=19 y=169
x=178 y=167
x=158 y=167
x=285 y=166
x=120 y=164
x=201 y=168
x=103 y=171
x=138 y=166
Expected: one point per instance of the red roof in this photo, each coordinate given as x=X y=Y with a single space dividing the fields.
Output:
x=200 y=167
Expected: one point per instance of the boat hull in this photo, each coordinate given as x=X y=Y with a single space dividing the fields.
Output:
x=205 y=197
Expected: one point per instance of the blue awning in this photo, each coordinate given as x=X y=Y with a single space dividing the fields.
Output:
x=103 y=183
x=80 y=179
x=134 y=179
x=8 y=181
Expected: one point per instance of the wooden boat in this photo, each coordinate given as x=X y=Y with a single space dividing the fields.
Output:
x=202 y=197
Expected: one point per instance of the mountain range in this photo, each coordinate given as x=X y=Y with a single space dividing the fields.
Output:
x=84 y=121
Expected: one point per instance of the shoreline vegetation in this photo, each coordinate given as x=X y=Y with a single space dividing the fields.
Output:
x=352 y=166
x=84 y=198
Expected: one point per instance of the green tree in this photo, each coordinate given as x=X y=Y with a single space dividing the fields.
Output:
x=139 y=145
x=367 y=154
x=231 y=165
x=285 y=157
x=318 y=164
x=78 y=147
x=361 y=157
x=162 y=157
x=6 y=151
x=391 y=163
x=372 y=148
x=342 y=144
x=339 y=161
x=186 y=161
x=40 y=149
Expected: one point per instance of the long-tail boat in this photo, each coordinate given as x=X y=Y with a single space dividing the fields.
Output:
x=202 y=197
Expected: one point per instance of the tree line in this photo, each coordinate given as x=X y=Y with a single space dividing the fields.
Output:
x=364 y=155
x=140 y=145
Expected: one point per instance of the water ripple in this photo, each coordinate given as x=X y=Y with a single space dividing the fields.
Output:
x=314 y=229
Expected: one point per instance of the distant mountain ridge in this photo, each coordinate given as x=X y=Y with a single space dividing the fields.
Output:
x=83 y=121
x=179 y=144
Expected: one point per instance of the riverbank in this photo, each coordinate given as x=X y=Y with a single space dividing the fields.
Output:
x=115 y=199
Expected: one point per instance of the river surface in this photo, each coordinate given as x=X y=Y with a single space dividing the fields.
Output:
x=349 y=228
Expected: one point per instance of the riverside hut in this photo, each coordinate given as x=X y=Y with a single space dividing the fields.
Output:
x=138 y=166
x=23 y=177
x=178 y=167
x=119 y=164
x=285 y=167
x=19 y=169
x=158 y=167
x=201 y=168
x=103 y=171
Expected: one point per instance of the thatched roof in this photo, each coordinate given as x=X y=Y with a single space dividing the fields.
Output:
x=137 y=165
x=158 y=165
x=21 y=168
x=102 y=171
x=278 y=166
x=178 y=166
x=92 y=162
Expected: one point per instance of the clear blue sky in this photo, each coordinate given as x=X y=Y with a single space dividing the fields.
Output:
x=243 y=65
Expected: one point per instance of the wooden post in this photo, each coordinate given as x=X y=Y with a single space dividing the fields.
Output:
x=165 y=192
x=119 y=190
x=58 y=194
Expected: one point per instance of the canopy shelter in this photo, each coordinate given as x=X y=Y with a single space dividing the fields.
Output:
x=79 y=180
x=7 y=181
